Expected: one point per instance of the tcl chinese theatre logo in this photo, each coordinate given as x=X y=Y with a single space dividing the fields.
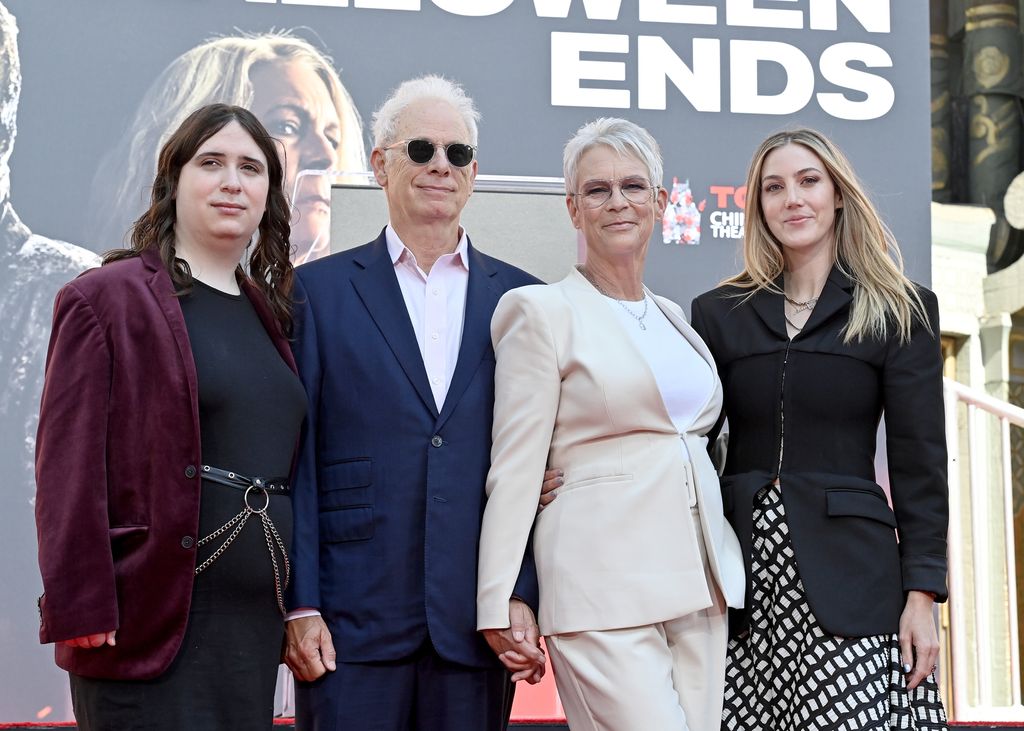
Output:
x=726 y=221
x=682 y=221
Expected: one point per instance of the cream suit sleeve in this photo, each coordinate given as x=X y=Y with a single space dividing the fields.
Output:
x=527 y=384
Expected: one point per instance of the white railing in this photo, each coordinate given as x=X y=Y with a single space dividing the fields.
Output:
x=986 y=672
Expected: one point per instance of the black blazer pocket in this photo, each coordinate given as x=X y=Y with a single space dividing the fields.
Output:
x=860 y=503
x=347 y=524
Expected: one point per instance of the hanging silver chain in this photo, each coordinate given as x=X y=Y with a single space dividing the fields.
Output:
x=270 y=533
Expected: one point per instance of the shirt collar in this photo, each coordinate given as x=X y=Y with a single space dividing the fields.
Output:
x=398 y=251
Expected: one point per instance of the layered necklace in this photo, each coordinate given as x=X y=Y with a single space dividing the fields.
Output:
x=638 y=317
x=798 y=307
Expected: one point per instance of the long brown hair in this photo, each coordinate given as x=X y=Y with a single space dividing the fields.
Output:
x=269 y=268
x=865 y=248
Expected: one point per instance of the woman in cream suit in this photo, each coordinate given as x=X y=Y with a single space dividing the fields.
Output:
x=598 y=376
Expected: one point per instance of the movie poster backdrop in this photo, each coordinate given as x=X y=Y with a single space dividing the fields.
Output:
x=90 y=87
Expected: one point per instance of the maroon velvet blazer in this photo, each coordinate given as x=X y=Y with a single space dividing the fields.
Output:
x=117 y=456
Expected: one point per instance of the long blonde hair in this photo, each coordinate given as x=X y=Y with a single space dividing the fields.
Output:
x=865 y=249
x=217 y=71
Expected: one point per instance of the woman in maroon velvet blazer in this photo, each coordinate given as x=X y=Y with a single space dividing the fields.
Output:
x=166 y=364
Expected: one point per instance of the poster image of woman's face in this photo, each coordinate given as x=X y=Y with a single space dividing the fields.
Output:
x=293 y=102
x=291 y=86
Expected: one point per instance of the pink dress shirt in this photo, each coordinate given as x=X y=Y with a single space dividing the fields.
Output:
x=436 y=302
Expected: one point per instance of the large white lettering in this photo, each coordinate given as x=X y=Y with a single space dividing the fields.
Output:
x=657 y=63
x=743 y=13
x=873 y=15
x=879 y=94
x=473 y=8
x=662 y=11
x=568 y=70
x=595 y=9
x=845 y=72
x=746 y=56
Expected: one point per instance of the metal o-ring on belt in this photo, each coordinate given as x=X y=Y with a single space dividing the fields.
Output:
x=268 y=486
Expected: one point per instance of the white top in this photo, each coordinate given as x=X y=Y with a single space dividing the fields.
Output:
x=436 y=302
x=684 y=378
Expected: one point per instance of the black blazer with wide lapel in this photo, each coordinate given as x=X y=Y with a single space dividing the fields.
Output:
x=832 y=395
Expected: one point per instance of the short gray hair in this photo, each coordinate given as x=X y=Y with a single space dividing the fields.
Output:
x=385 y=119
x=623 y=136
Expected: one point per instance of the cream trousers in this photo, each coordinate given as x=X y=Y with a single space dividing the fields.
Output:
x=660 y=677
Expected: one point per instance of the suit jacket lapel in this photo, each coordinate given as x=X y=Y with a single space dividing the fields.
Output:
x=769 y=307
x=482 y=295
x=835 y=295
x=160 y=285
x=378 y=289
x=621 y=351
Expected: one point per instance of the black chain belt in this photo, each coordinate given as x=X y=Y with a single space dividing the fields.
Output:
x=252 y=486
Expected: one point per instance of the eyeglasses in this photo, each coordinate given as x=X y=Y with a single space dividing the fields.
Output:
x=421 y=151
x=596 y=193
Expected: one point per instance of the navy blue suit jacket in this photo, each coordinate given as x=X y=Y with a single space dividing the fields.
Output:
x=388 y=493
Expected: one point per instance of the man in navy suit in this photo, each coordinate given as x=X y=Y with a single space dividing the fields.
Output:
x=393 y=345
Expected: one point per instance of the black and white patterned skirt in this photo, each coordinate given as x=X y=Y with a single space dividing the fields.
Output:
x=787 y=674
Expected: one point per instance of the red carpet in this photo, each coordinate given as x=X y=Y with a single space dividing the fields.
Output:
x=285 y=724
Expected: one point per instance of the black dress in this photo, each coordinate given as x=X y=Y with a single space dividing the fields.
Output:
x=251 y=406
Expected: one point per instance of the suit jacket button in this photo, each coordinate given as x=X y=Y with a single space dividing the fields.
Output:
x=436 y=440
x=188 y=542
x=190 y=471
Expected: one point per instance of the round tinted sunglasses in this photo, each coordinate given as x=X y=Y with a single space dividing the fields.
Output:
x=421 y=151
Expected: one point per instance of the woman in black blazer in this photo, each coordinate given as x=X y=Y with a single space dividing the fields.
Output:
x=814 y=340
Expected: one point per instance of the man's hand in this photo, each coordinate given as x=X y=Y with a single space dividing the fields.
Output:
x=309 y=649
x=919 y=642
x=88 y=642
x=518 y=647
x=553 y=479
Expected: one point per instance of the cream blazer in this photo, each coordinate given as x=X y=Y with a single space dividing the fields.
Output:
x=617 y=548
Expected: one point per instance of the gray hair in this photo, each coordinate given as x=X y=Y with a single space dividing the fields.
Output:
x=385 y=119
x=623 y=136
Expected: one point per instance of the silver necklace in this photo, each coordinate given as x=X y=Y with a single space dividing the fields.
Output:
x=639 y=318
x=792 y=324
x=799 y=307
